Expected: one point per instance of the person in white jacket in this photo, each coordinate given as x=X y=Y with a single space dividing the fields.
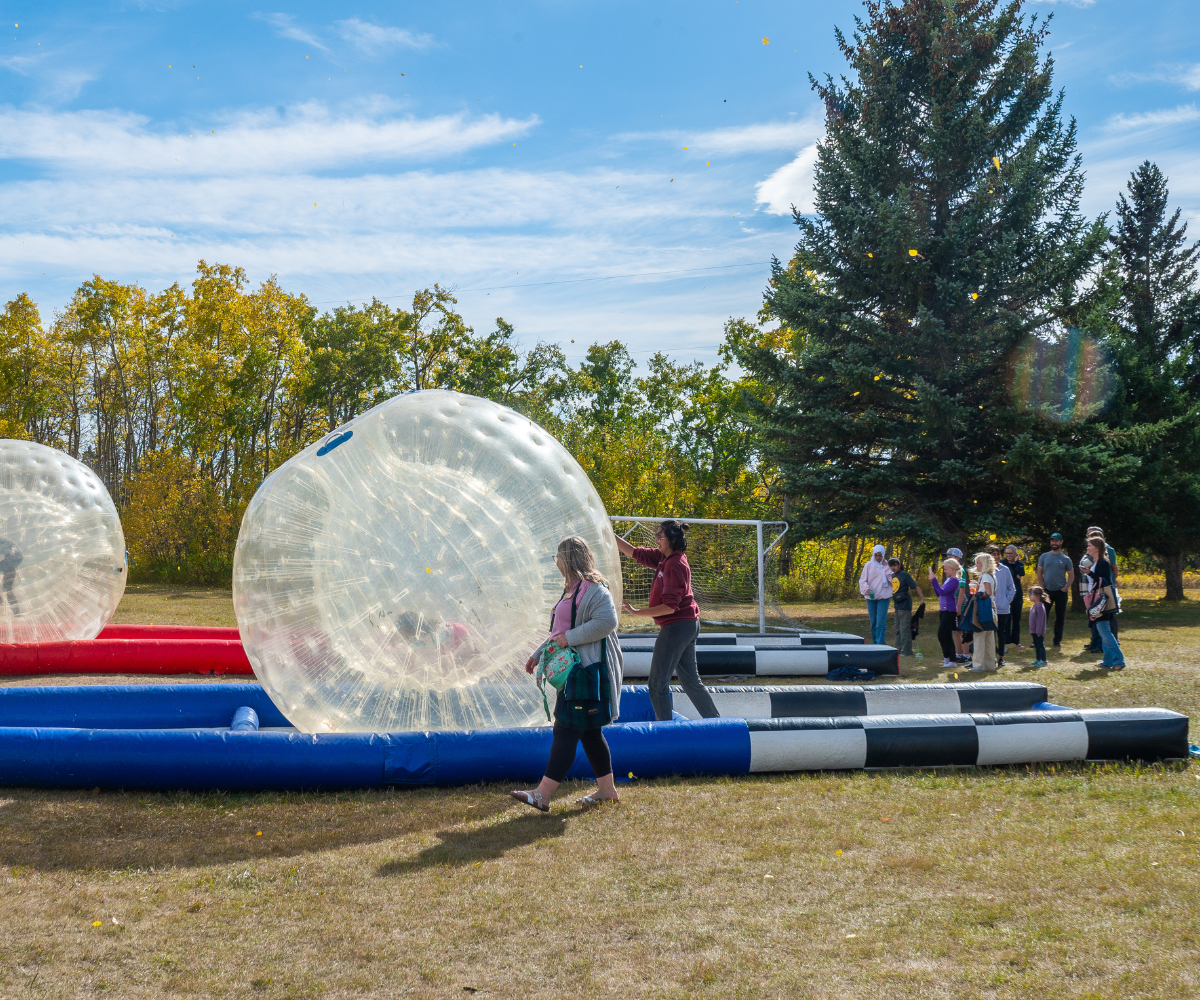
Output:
x=875 y=584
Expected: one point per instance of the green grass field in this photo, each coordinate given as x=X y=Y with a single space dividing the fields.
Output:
x=1069 y=881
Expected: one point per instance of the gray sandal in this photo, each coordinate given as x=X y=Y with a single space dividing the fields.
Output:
x=594 y=800
x=532 y=799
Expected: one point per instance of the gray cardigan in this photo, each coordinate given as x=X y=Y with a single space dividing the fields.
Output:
x=596 y=618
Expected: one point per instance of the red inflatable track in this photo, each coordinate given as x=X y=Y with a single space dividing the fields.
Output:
x=143 y=655
x=167 y=632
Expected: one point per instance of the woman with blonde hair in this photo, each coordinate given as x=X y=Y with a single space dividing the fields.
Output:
x=584 y=619
x=982 y=616
x=947 y=592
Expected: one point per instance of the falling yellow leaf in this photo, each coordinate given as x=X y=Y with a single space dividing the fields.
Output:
x=259 y=834
x=838 y=852
x=996 y=161
x=672 y=180
x=631 y=774
x=857 y=392
x=887 y=60
x=878 y=377
x=870 y=255
x=912 y=253
x=428 y=569
x=766 y=41
x=685 y=147
x=97 y=923
x=314 y=204
x=974 y=295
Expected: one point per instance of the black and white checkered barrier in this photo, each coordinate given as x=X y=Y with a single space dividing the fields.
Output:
x=770 y=660
x=820 y=639
x=811 y=700
x=937 y=740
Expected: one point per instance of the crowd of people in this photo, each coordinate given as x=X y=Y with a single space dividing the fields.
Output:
x=980 y=604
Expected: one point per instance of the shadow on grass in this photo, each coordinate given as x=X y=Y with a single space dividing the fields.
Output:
x=73 y=830
x=464 y=847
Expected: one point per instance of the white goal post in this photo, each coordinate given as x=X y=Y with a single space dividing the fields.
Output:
x=720 y=558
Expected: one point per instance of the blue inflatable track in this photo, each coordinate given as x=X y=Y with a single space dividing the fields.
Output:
x=180 y=736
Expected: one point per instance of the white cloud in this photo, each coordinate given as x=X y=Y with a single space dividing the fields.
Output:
x=305 y=138
x=790 y=185
x=1144 y=120
x=1189 y=76
x=762 y=137
x=56 y=79
x=375 y=38
x=285 y=27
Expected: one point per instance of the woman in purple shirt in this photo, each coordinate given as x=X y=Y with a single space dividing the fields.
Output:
x=947 y=592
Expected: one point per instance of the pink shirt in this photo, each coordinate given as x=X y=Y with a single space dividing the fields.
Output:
x=562 y=610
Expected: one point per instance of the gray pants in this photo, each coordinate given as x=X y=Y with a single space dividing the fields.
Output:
x=904 y=630
x=675 y=653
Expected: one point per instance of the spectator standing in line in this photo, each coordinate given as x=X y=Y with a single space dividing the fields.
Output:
x=1055 y=571
x=1085 y=591
x=902 y=587
x=983 y=617
x=961 y=639
x=947 y=592
x=1037 y=624
x=1016 y=569
x=1005 y=590
x=875 y=584
x=1102 y=590
x=1095 y=532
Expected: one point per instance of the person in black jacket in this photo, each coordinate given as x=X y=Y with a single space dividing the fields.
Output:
x=1012 y=560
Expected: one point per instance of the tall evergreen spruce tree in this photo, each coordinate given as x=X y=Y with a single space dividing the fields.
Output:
x=947 y=191
x=1155 y=341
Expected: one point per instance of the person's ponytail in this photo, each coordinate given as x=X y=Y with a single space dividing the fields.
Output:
x=675 y=533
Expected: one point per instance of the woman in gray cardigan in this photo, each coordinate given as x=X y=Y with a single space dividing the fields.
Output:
x=585 y=619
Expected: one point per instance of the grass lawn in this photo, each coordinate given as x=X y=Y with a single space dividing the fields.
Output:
x=1070 y=881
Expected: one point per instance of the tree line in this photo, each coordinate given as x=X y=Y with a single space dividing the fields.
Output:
x=183 y=401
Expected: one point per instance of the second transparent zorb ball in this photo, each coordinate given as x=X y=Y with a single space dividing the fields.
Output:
x=397 y=574
x=62 y=551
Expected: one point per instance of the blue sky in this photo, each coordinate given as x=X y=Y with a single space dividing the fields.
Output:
x=529 y=154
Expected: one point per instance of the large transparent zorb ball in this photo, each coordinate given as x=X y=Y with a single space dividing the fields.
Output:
x=62 y=551
x=397 y=574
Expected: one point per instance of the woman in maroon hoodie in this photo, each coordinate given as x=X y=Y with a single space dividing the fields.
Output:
x=673 y=608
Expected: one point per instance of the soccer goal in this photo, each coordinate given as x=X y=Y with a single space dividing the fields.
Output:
x=735 y=570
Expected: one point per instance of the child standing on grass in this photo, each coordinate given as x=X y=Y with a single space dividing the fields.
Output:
x=1037 y=624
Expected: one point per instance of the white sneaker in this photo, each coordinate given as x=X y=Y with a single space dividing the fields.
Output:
x=949 y=663
x=979 y=670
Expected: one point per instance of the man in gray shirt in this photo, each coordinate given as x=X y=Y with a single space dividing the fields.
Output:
x=1055 y=572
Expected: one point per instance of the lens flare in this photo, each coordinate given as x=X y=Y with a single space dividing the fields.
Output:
x=1063 y=378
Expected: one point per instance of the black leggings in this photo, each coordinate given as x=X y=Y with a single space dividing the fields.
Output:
x=562 y=751
x=947 y=623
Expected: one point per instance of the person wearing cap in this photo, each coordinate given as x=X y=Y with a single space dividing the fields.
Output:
x=1016 y=569
x=1055 y=573
x=875 y=584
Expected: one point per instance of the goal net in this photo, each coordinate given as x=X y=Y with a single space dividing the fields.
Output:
x=735 y=572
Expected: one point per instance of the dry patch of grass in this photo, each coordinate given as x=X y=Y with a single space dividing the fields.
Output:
x=1052 y=882
x=1076 y=881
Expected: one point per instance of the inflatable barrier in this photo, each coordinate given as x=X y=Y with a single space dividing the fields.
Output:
x=204 y=737
x=141 y=655
x=817 y=700
x=771 y=660
x=821 y=639
x=182 y=649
